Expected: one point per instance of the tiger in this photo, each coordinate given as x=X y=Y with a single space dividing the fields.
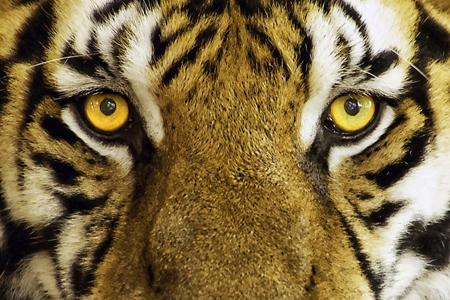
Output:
x=224 y=149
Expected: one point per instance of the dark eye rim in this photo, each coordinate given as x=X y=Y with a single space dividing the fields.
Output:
x=337 y=133
x=78 y=103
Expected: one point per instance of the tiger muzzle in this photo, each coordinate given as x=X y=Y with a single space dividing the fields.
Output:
x=232 y=229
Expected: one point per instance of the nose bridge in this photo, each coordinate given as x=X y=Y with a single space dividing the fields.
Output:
x=240 y=176
x=231 y=219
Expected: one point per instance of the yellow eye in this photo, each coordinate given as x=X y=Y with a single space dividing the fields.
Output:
x=106 y=112
x=351 y=113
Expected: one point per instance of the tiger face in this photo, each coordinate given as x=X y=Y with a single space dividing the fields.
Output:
x=224 y=149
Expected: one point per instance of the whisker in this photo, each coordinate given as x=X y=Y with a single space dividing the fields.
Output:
x=60 y=59
x=412 y=65
x=367 y=72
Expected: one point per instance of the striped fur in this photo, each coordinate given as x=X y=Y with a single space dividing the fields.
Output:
x=228 y=181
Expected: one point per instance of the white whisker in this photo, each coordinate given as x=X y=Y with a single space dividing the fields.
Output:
x=411 y=64
x=60 y=59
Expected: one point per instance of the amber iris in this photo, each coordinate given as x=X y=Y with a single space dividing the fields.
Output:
x=106 y=112
x=351 y=113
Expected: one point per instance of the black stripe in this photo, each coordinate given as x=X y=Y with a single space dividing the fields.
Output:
x=25 y=2
x=431 y=241
x=201 y=40
x=278 y=61
x=381 y=216
x=82 y=279
x=118 y=52
x=315 y=164
x=147 y=5
x=253 y=61
x=35 y=35
x=4 y=81
x=96 y=58
x=343 y=45
x=109 y=10
x=251 y=8
x=414 y=152
x=352 y=14
x=375 y=280
x=196 y=9
x=432 y=38
x=434 y=44
x=59 y=130
x=160 y=45
x=302 y=50
x=21 y=166
x=63 y=172
x=325 y=5
x=383 y=141
x=105 y=244
x=86 y=65
x=151 y=276
x=37 y=90
x=83 y=276
x=362 y=195
x=312 y=281
x=20 y=240
x=365 y=196
x=382 y=62
x=80 y=203
x=210 y=68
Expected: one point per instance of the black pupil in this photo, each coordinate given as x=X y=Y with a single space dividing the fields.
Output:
x=108 y=106
x=352 y=107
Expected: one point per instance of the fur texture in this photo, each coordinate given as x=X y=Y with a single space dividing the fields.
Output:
x=231 y=177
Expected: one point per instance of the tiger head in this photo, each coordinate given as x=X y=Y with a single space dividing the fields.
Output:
x=224 y=149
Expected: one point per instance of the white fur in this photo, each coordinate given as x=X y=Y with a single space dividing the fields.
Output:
x=118 y=153
x=27 y=204
x=69 y=82
x=426 y=188
x=383 y=23
x=324 y=73
x=408 y=268
x=36 y=274
x=135 y=63
x=350 y=32
x=136 y=69
x=72 y=242
x=426 y=191
x=106 y=32
x=432 y=285
x=340 y=153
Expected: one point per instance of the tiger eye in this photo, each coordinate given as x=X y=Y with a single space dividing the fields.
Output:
x=351 y=112
x=106 y=112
